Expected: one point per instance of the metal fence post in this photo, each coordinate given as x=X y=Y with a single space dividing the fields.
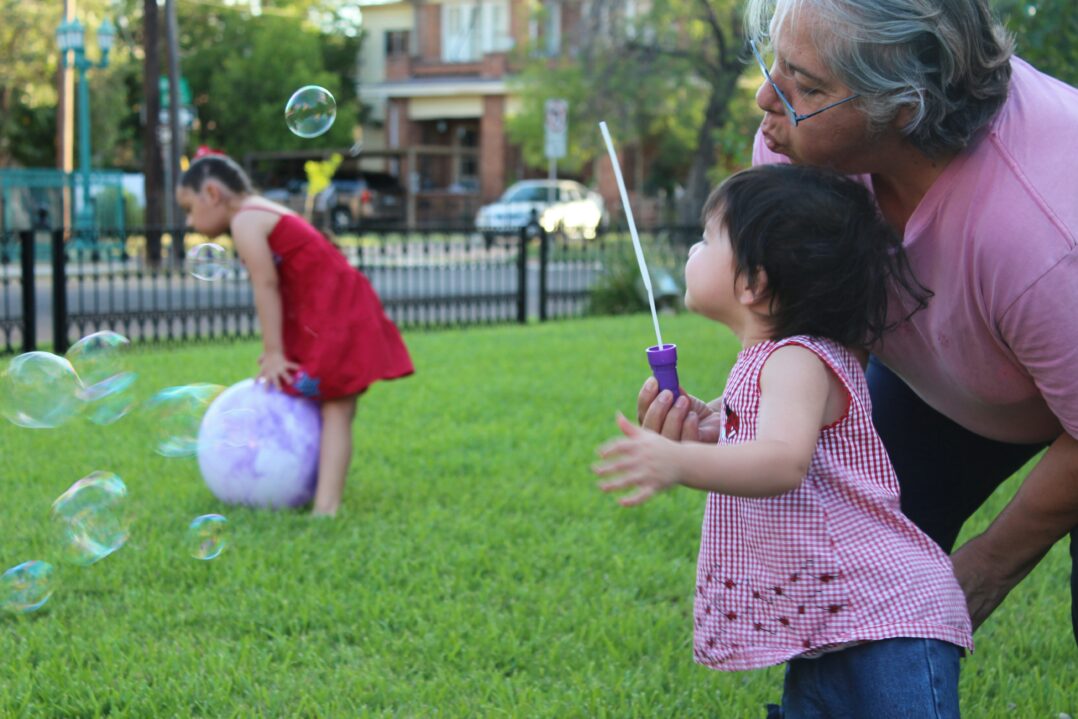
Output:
x=544 y=268
x=522 y=275
x=29 y=292
x=59 y=293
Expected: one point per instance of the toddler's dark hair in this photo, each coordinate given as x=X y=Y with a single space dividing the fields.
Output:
x=217 y=167
x=829 y=256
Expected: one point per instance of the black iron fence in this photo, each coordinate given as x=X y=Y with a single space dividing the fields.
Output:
x=56 y=288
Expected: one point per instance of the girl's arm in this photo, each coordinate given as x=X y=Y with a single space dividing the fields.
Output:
x=798 y=397
x=253 y=248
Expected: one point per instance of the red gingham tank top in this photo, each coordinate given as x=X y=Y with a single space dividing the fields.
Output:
x=832 y=562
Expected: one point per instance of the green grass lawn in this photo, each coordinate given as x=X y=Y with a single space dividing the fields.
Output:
x=475 y=570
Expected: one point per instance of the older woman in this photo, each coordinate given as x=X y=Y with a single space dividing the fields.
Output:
x=969 y=151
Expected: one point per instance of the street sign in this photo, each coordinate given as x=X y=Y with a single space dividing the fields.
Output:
x=556 y=125
x=163 y=89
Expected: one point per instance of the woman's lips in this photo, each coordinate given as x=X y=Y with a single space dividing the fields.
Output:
x=769 y=139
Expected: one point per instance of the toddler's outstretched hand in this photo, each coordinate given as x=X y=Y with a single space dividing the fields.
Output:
x=641 y=459
x=275 y=368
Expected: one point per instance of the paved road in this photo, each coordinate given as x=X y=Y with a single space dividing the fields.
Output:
x=417 y=290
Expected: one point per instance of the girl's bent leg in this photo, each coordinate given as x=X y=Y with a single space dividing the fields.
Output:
x=889 y=679
x=335 y=454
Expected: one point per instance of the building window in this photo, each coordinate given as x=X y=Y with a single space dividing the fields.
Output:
x=472 y=29
x=396 y=42
x=544 y=29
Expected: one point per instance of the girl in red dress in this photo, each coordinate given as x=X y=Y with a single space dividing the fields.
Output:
x=324 y=333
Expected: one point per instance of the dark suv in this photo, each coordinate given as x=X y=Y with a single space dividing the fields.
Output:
x=368 y=199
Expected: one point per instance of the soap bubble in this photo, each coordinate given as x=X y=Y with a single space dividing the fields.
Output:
x=208 y=261
x=206 y=536
x=40 y=390
x=175 y=414
x=91 y=517
x=26 y=587
x=310 y=111
x=100 y=359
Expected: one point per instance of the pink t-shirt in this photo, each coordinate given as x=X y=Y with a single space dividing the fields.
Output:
x=994 y=238
x=827 y=564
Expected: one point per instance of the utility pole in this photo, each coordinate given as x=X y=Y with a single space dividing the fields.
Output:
x=65 y=126
x=176 y=133
x=151 y=148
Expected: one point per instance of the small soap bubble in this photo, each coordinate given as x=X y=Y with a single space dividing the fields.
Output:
x=206 y=536
x=91 y=517
x=40 y=390
x=208 y=262
x=100 y=360
x=175 y=414
x=310 y=111
x=26 y=587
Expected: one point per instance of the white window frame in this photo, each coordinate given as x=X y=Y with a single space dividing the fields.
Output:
x=473 y=29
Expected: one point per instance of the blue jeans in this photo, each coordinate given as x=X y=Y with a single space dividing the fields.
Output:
x=945 y=471
x=888 y=679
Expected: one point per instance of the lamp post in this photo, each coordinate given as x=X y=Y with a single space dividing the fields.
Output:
x=70 y=35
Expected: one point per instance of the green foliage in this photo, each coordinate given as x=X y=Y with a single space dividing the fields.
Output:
x=108 y=208
x=620 y=289
x=243 y=69
x=475 y=569
x=652 y=77
x=1047 y=34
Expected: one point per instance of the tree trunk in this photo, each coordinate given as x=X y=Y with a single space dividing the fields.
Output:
x=698 y=186
x=153 y=171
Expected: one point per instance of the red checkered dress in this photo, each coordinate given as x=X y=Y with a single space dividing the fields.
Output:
x=830 y=563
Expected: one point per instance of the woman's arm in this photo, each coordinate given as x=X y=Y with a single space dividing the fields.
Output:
x=1044 y=510
x=795 y=389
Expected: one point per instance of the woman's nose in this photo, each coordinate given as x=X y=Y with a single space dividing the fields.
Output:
x=767 y=99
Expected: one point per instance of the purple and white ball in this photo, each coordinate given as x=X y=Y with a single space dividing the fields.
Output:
x=259 y=446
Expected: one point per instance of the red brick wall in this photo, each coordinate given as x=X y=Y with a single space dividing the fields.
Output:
x=430 y=33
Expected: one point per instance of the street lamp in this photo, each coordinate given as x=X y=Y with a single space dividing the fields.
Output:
x=71 y=36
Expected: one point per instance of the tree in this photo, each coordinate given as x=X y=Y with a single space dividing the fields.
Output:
x=1047 y=34
x=242 y=69
x=665 y=78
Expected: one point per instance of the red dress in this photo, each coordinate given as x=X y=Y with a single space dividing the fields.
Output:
x=333 y=324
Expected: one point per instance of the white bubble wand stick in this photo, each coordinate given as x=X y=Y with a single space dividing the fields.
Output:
x=661 y=357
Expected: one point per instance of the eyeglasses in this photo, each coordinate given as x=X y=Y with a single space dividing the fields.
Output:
x=794 y=115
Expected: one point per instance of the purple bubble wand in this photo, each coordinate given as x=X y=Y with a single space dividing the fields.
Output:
x=661 y=357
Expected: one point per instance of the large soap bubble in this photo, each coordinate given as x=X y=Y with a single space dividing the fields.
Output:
x=91 y=517
x=40 y=390
x=174 y=417
x=100 y=359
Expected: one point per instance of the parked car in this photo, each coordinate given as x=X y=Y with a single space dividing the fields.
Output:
x=372 y=198
x=562 y=206
x=349 y=203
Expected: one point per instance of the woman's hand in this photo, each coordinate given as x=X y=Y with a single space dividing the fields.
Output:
x=686 y=420
x=641 y=460
x=275 y=368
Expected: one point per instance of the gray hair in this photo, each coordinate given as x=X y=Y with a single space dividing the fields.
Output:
x=946 y=60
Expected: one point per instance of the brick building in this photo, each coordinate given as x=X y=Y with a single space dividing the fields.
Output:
x=435 y=73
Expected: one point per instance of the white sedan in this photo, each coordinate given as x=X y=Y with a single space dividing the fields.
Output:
x=562 y=206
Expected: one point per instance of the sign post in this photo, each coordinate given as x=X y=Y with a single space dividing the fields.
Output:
x=556 y=124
